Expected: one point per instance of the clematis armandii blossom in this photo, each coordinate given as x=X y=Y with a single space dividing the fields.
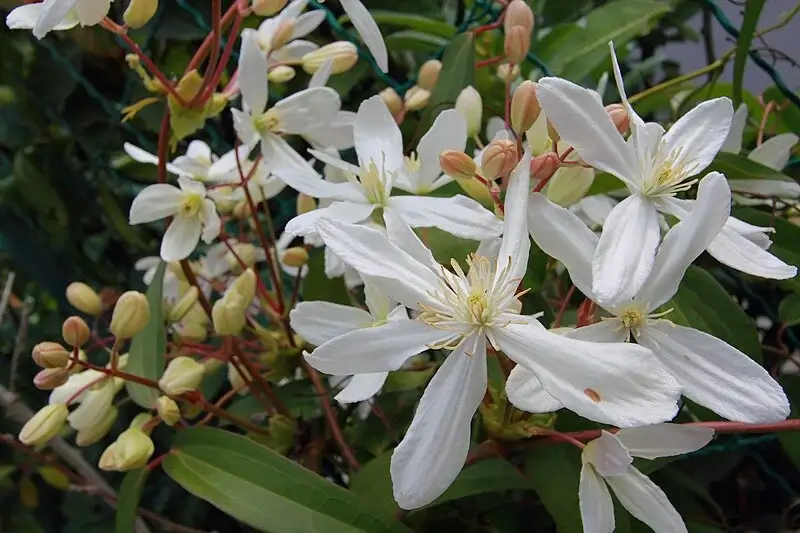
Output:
x=368 y=30
x=49 y=15
x=379 y=146
x=620 y=383
x=710 y=371
x=198 y=163
x=289 y=26
x=607 y=462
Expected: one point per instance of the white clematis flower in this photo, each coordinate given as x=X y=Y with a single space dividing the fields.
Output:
x=338 y=133
x=368 y=30
x=291 y=19
x=194 y=215
x=321 y=322
x=607 y=462
x=620 y=384
x=171 y=285
x=198 y=163
x=57 y=15
x=710 y=371
x=654 y=165
x=379 y=146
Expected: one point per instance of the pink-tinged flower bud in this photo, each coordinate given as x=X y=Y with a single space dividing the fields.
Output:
x=44 y=425
x=518 y=14
x=267 y=8
x=392 y=101
x=470 y=106
x=619 y=115
x=417 y=98
x=84 y=299
x=525 y=108
x=50 y=378
x=457 y=165
x=131 y=314
x=499 y=158
x=429 y=74
x=75 y=331
x=183 y=374
x=517 y=44
x=504 y=69
x=344 y=55
x=50 y=355
x=544 y=166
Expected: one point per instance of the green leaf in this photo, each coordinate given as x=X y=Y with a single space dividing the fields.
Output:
x=702 y=303
x=790 y=440
x=146 y=354
x=415 y=41
x=458 y=72
x=554 y=472
x=752 y=10
x=445 y=246
x=736 y=166
x=128 y=500
x=605 y=183
x=265 y=490
x=410 y=21
x=789 y=310
x=117 y=218
x=317 y=286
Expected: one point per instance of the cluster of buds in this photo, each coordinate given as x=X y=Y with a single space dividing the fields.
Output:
x=55 y=360
x=418 y=96
x=229 y=312
x=518 y=27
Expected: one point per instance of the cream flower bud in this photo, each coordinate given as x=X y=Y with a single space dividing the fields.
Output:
x=392 y=100
x=246 y=252
x=44 y=425
x=281 y=74
x=429 y=74
x=50 y=378
x=544 y=166
x=306 y=203
x=344 y=55
x=470 y=106
x=228 y=314
x=619 y=115
x=457 y=165
x=168 y=410
x=525 y=108
x=282 y=34
x=183 y=374
x=139 y=13
x=296 y=256
x=477 y=191
x=245 y=286
x=142 y=422
x=132 y=449
x=569 y=185
x=84 y=299
x=518 y=13
x=50 y=355
x=75 y=331
x=503 y=70
x=92 y=434
x=131 y=314
x=236 y=380
x=267 y=8
x=517 y=44
x=417 y=98
x=184 y=305
x=190 y=332
x=210 y=366
x=499 y=158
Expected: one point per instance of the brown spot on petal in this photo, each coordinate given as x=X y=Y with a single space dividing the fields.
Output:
x=592 y=394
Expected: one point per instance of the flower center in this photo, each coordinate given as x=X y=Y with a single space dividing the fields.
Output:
x=668 y=177
x=412 y=163
x=191 y=206
x=371 y=178
x=632 y=318
x=268 y=122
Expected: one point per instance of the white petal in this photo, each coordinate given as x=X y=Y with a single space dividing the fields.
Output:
x=292 y=53
x=377 y=136
x=608 y=455
x=93 y=407
x=280 y=154
x=448 y=132
x=583 y=123
x=775 y=152
x=459 y=215
x=378 y=303
x=25 y=16
x=362 y=387
x=715 y=374
x=436 y=444
x=319 y=322
x=243 y=126
x=596 y=208
x=685 y=241
x=348 y=212
x=334 y=162
x=604 y=331
x=562 y=235
x=698 y=135
x=626 y=250
x=664 y=440
x=489 y=248
x=597 y=508
x=646 y=501
x=307 y=22
x=253 y=73
x=496 y=125
x=401 y=234
x=368 y=30
x=636 y=121
x=369 y=251
x=336 y=133
x=75 y=383
x=322 y=75
x=733 y=143
x=525 y=392
x=191 y=186
x=51 y=14
x=307 y=181
x=143 y=156
x=739 y=252
x=612 y=383
x=306 y=110
x=779 y=188
x=91 y=12
x=155 y=202
x=181 y=238
x=376 y=349
x=516 y=244
x=212 y=225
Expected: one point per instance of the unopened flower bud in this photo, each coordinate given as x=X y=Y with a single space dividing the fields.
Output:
x=499 y=158
x=50 y=378
x=344 y=55
x=84 y=299
x=517 y=44
x=295 y=257
x=228 y=314
x=392 y=100
x=457 y=165
x=281 y=74
x=75 y=331
x=139 y=13
x=131 y=314
x=477 y=191
x=168 y=410
x=417 y=98
x=142 y=422
x=569 y=185
x=267 y=8
x=245 y=252
x=183 y=374
x=504 y=69
x=518 y=13
x=619 y=115
x=552 y=133
x=544 y=166
x=236 y=379
x=92 y=434
x=245 y=286
x=429 y=74
x=132 y=449
x=305 y=204
x=176 y=269
x=50 y=355
x=189 y=86
x=282 y=34
x=44 y=425
x=525 y=108
x=184 y=305
x=470 y=106
x=190 y=332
